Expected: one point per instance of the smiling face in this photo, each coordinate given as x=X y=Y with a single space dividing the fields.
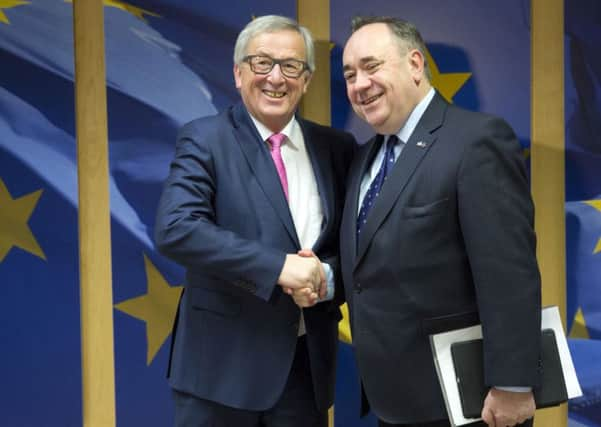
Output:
x=384 y=82
x=272 y=98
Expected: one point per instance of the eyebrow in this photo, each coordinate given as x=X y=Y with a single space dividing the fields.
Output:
x=362 y=61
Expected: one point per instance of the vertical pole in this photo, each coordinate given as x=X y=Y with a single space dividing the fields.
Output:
x=547 y=161
x=315 y=15
x=315 y=105
x=97 y=354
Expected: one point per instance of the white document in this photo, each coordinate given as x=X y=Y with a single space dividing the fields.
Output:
x=441 y=350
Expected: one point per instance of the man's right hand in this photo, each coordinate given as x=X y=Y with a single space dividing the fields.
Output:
x=300 y=272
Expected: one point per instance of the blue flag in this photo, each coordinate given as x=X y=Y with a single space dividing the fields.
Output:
x=583 y=208
x=167 y=62
x=583 y=231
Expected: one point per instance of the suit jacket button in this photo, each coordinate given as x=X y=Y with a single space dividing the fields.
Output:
x=358 y=288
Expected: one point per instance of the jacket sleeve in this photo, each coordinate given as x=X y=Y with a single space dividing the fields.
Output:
x=187 y=232
x=496 y=216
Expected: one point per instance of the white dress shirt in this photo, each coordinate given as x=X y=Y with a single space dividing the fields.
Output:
x=303 y=196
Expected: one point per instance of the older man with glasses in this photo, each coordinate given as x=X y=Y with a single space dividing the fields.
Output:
x=251 y=209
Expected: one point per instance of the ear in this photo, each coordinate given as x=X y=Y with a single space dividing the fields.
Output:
x=307 y=81
x=237 y=76
x=416 y=64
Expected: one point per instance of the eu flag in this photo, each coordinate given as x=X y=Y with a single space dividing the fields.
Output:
x=583 y=208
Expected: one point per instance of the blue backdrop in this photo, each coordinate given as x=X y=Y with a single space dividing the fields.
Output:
x=583 y=197
x=170 y=61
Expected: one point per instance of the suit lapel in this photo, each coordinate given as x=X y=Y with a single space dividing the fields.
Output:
x=362 y=162
x=420 y=142
x=260 y=162
x=319 y=156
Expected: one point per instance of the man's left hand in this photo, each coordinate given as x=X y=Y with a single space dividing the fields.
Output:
x=507 y=408
x=304 y=297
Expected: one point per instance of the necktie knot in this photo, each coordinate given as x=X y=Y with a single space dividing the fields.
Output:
x=393 y=140
x=276 y=140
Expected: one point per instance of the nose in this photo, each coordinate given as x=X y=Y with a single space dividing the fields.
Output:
x=362 y=81
x=275 y=75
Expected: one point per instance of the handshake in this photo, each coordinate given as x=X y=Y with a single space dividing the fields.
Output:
x=303 y=278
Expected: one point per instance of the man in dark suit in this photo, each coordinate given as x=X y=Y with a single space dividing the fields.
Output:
x=437 y=233
x=247 y=190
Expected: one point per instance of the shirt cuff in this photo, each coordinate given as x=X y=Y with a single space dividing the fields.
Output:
x=515 y=389
x=329 y=281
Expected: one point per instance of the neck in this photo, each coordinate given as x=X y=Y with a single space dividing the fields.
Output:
x=275 y=125
x=423 y=89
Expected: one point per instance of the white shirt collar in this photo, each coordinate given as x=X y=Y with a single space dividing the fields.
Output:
x=405 y=133
x=290 y=130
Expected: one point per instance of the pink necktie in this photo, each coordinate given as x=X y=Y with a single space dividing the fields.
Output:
x=276 y=141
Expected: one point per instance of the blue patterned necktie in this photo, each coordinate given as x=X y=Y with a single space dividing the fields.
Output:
x=378 y=181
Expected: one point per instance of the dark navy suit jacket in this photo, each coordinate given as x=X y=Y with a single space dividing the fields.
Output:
x=224 y=217
x=449 y=241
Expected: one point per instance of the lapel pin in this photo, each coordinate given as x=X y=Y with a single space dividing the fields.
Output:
x=421 y=144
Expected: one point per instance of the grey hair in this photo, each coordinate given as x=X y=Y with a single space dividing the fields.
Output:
x=272 y=24
x=407 y=35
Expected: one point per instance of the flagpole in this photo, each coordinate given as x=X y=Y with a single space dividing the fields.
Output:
x=96 y=300
x=315 y=15
x=315 y=105
x=548 y=162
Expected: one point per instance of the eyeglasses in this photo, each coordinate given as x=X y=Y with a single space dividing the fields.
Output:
x=263 y=64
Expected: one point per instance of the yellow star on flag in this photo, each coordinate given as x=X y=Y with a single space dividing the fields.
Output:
x=344 y=327
x=14 y=215
x=156 y=308
x=579 y=329
x=597 y=205
x=448 y=84
x=9 y=4
x=138 y=12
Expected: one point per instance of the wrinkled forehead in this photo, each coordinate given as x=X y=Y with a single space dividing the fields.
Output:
x=372 y=42
x=279 y=43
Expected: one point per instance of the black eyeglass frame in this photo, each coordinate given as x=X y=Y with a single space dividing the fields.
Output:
x=249 y=58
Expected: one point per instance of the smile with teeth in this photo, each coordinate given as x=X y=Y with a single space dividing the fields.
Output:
x=370 y=99
x=272 y=94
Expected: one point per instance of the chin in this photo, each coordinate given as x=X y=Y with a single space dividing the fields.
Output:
x=374 y=122
x=374 y=115
x=272 y=112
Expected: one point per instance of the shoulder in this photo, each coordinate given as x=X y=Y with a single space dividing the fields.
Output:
x=476 y=122
x=209 y=133
x=485 y=142
x=205 y=125
x=471 y=129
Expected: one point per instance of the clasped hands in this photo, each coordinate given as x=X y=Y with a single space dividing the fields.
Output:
x=303 y=278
